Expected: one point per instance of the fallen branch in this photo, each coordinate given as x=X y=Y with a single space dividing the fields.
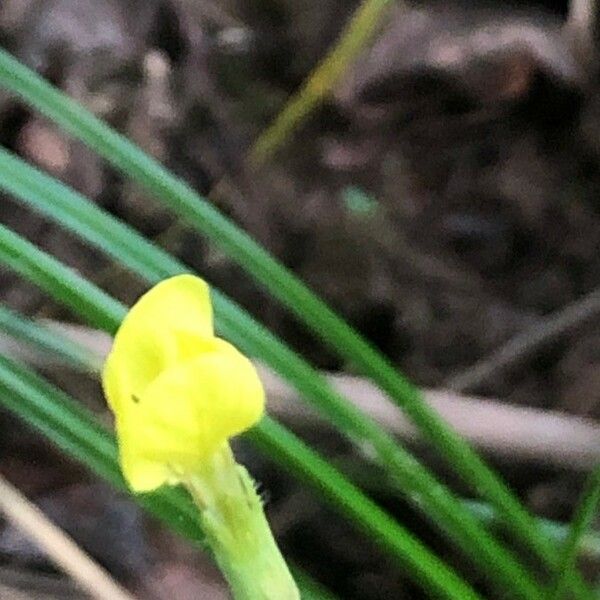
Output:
x=528 y=342
x=512 y=432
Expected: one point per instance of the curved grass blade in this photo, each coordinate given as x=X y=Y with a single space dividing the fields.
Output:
x=175 y=194
x=589 y=543
x=291 y=454
x=48 y=341
x=72 y=210
x=74 y=430
x=39 y=337
x=320 y=83
x=585 y=513
x=310 y=589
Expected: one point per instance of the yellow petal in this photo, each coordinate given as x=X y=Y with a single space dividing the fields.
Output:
x=162 y=329
x=186 y=414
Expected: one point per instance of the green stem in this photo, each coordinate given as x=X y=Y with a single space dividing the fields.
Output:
x=73 y=428
x=582 y=519
x=558 y=532
x=424 y=567
x=49 y=342
x=238 y=532
x=322 y=80
x=42 y=338
x=77 y=432
x=101 y=310
x=283 y=285
x=422 y=489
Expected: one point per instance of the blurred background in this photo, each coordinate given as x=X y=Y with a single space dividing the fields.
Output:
x=445 y=200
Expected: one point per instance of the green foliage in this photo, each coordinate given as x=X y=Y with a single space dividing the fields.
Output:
x=257 y=262
x=88 y=221
x=73 y=430
x=283 y=447
x=360 y=29
x=583 y=517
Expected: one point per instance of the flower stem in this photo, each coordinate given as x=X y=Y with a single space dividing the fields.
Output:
x=238 y=532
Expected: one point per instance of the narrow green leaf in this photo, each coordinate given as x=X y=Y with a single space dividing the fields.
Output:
x=320 y=83
x=558 y=532
x=39 y=337
x=585 y=513
x=75 y=431
x=282 y=284
x=72 y=210
x=47 y=341
x=103 y=311
x=309 y=588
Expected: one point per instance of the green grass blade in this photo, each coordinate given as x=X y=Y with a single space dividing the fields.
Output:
x=429 y=572
x=74 y=430
x=72 y=210
x=281 y=283
x=309 y=588
x=584 y=515
x=60 y=281
x=42 y=338
x=320 y=83
x=589 y=543
x=48 y=342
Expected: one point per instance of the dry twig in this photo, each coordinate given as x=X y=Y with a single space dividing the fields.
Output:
x=59 y=547
x=513 y=432
x=505 y=431
x=525 y=344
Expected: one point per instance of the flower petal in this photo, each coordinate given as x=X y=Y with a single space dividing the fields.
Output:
x=163 y=328
x=186 y=414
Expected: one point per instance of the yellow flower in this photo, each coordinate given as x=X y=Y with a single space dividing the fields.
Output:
x=177 y=391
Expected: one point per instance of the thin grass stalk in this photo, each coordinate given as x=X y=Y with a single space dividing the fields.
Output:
x=48 y=342
x=447 y=511
x=73 y=429
x=322 y=80
x=76 y=431
x=283 y=285
x=44 y=338
x=584 y=515
x=589 y=543
x=195 y=210
x=309 y=588
x=101 y=310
